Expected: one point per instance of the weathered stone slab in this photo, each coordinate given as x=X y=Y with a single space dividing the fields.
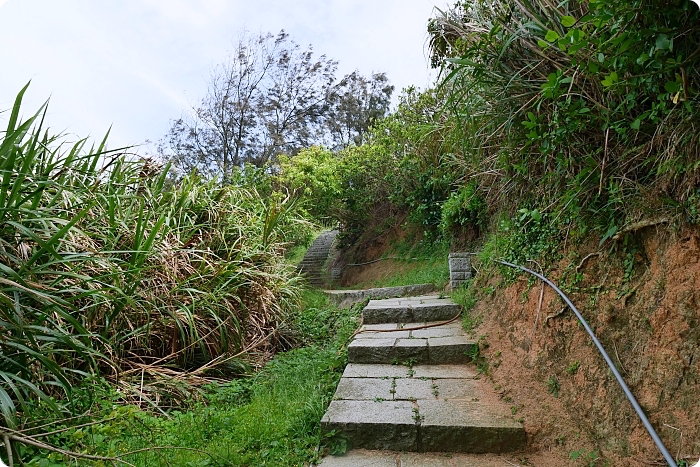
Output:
x=380 y=327
x=386 y=425
x=364 y=389
x=364 y=458
x=371 y=350
x=425 y=308
x=347 y=298
x=437 y=331
x=413 y=389
x=460 y=426
x=464 y=389
x=433 y=350
x=455 y=349
x=435 y=311
x=369 y=370
x=383 y=335
x=415 y=350
x=382 y=314
x=433 y=459
x=443 y=371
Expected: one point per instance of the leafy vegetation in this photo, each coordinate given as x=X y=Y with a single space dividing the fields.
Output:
x=582 y=110
x=271 y=418
x=108 y=271
x=123 y=290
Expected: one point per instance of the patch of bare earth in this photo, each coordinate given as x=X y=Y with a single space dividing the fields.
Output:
x=573 y=409
x=365 y=264
x=369 y=275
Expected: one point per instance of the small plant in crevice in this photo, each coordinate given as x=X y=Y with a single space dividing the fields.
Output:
x=573 y=367
x=553 y=386
x=588 y=458
x=410 y=362
x=337 y=442
x=475 y=357
x=629 y=263
x=417 y=417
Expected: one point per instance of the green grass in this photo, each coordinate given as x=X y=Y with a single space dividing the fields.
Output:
x=278 y=426
x=269 y=419
x=468 y=296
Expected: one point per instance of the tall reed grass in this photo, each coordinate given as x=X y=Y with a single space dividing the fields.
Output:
x=108 y=267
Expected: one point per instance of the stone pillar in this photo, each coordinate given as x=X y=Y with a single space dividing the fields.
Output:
x=336 y=273
x=460 y=269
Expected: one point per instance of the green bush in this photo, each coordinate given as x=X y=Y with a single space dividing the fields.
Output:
x=583 y=107
x=401 y=170
x=313 y=174
x=464 y=208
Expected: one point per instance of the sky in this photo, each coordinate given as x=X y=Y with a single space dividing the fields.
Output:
x=135 y=65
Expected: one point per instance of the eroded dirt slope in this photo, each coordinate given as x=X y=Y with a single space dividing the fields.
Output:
x=642 y=302
x=555 y=378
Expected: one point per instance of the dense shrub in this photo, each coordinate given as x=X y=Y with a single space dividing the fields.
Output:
x=587 y=107
x=313 y=174
x=463 y=209
x=106 y=269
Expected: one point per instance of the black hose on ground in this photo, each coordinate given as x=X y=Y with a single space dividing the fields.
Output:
x=628 y=393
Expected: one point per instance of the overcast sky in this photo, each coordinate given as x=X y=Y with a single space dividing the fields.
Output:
x=136 y=64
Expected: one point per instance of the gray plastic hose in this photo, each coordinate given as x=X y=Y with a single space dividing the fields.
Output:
x=628 y=393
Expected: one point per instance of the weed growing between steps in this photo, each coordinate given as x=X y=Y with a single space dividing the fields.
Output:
x=267 y=419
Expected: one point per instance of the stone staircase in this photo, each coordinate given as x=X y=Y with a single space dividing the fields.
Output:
x=409 y=387
x=315 y=258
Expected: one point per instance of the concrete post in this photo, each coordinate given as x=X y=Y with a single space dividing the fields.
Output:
x=460 y=269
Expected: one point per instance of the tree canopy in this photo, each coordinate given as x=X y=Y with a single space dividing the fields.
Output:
x=272 y=97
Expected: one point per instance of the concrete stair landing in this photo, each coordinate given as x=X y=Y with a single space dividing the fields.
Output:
x=408 y=387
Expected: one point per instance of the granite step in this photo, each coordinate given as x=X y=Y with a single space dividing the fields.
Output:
x=367 y=458
x=347 y=298
x=409 y=310
x=407 y=386
x=421 y=408
x=423 y=343
x=312 y=265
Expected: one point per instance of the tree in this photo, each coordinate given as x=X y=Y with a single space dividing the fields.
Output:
x=268 y=98
x=272 y=98
x=357 y=103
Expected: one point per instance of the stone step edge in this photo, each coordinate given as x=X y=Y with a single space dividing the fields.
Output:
x=410 y=314
x=408 y=430
x=347 y=298
x=444 y=350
